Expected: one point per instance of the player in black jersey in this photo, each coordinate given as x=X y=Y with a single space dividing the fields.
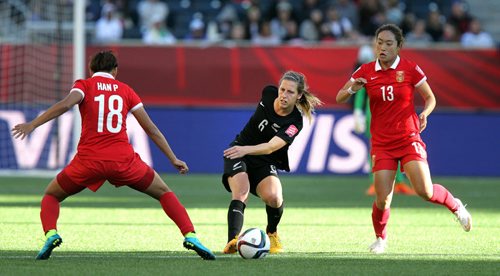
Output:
x=252 y=161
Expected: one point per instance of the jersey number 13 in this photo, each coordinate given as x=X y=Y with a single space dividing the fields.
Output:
x=387 y=93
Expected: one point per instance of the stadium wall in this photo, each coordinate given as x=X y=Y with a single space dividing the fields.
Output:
x=234 y=76
x=458 y=144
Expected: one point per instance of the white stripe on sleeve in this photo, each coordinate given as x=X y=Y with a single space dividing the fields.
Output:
x=421 y=81
x=139 y=105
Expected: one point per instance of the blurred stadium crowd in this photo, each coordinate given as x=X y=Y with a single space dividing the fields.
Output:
x=276 y=22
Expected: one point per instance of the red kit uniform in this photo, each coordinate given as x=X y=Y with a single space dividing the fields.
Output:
x=394 y=123
x=104 y=108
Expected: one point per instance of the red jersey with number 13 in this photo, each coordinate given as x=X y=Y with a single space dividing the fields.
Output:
x=391 y=93
x=104 y=108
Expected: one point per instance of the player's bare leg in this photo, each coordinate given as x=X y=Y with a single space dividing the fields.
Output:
x=419 y=174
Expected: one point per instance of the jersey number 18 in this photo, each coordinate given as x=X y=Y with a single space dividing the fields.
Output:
x=112 y=101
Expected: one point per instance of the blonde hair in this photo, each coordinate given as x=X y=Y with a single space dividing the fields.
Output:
x=308 y=102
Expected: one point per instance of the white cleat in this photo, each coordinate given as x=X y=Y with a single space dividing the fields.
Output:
x=379 y=246
x=463 y=216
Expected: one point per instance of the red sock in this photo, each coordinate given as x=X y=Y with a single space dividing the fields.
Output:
x=379 y=220
x=49 y=212
x=176 y=212
x=443 y=197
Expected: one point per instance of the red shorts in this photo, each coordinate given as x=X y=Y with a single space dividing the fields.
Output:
x=91 y=174
x=383 y=159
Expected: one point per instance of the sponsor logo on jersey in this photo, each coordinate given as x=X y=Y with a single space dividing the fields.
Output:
x=291 y=131
x=400 y=76
x=261 y=104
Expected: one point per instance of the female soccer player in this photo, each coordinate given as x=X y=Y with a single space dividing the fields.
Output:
x=252 y=160
x=395 y=127
x=104 y=152
x=362 y=118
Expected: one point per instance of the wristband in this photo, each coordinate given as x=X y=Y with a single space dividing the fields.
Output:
x=350 y=91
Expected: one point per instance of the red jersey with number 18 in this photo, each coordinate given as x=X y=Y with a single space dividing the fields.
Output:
x=104 y=108
x=391 y=93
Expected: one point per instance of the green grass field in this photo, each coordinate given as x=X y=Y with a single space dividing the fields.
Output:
x=326 y=229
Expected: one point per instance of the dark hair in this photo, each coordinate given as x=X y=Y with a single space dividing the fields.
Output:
x=104 y=61
x=308 y=101
x=398 y=34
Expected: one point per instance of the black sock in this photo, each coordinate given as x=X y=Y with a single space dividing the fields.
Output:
x=273 y=218
x=235 y=218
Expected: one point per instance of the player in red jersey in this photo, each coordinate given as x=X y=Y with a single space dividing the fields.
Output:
x=390 y=82
x=104 y=152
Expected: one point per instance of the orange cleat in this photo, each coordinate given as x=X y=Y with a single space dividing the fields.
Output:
x=402 y=188
x=371 y=190
x=230 y=247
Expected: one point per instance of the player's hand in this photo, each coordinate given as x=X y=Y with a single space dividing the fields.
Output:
x=235 y=152
x=181 y=166
x=423 y=121
x=358 y=84
x=22 y=130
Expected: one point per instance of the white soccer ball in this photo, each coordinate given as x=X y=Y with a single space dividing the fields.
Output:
x=253 y=243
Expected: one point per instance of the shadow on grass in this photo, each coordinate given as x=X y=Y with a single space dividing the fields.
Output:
x=206 y=191
x=187 y=263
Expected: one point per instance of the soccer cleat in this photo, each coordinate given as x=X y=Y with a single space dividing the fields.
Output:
x=230 y=247
x=463 y=216
x=51 y=243
x=193 y=243
x=276 y=246
x=379 y=246
x=370 y=190
x=402 y=188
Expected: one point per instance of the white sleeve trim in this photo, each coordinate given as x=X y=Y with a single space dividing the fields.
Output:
x=137 y=106
x=79 y=91
x=421 y=81
x=352 y=79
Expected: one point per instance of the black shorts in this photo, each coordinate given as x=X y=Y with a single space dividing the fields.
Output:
x=255 y=173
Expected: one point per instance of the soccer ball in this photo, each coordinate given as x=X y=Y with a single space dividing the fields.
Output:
x=253 y=243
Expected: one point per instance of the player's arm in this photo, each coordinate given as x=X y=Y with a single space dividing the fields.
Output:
x=273 y=145
x=350 y=88
x=430 y=102
x=155 y=134
x=22 y=130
